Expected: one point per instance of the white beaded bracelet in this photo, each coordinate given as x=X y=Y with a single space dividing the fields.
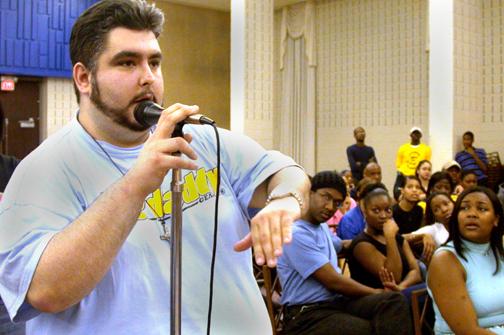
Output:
x=295 y=195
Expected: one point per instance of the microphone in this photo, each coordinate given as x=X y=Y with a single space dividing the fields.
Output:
x=147 y=113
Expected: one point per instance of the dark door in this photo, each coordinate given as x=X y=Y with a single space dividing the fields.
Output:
x=20 y=108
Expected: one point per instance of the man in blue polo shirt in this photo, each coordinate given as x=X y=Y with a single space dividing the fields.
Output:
x=472 y=158
x=318 y=299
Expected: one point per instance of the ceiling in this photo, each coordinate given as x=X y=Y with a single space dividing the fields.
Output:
x=224 y=5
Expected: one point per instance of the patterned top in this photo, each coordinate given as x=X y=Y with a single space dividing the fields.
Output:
x=467 y=161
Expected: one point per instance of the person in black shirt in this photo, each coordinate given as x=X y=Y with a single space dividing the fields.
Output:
x=7 y=166
x=359 y=154
x=379 y=248
x=407 y=214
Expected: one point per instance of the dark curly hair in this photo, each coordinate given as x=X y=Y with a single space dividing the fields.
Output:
x=329 y=179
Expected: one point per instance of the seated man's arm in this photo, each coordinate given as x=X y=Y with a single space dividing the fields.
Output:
x=338 y=283
x=337 y=243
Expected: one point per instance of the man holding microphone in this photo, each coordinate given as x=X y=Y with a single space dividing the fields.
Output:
x=81 y=219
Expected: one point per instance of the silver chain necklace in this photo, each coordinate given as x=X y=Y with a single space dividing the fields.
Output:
x=165 y=236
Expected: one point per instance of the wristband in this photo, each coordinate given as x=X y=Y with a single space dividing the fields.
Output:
x=274 y=196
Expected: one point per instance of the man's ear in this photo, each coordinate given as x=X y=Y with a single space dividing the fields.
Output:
x=82 y=78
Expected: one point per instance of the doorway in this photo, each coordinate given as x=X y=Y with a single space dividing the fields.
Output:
x=20 y=119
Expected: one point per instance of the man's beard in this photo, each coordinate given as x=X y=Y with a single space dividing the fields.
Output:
x=117 y=115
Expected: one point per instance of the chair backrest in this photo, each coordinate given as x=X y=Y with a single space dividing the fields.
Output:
x=419 y=310
x=494 y=170
x=275 y=310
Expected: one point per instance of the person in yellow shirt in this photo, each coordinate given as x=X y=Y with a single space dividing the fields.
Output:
x=408 y=157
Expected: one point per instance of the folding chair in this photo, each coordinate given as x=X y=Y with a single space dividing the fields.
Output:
x=275 y=310
x=494 y=170
x=419 y=312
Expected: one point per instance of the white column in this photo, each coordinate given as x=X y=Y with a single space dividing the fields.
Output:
x=238 y=65
x=441 y=94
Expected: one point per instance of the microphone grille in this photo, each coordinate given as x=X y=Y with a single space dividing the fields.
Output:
x=140 y=112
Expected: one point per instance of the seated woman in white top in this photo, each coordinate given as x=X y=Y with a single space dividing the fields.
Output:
x=439 y=207
x=466 y=275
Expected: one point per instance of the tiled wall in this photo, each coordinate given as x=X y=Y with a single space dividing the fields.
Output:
x=259 y=71
x=491 y=134
x=479 y=72
x=468 y=68
x=58 y=104
x=372 y=72
x=277 y=75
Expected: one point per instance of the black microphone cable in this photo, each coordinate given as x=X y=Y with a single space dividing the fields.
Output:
x=216 y=224
x=147 y=113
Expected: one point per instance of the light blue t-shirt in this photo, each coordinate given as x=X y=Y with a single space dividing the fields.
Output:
x=310 y=249
x=64 y=176
x=485 y=289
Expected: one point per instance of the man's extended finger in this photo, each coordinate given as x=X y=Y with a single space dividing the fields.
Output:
x=275 y=225
x=263 y=224
x=287 y=228
x=256 y=243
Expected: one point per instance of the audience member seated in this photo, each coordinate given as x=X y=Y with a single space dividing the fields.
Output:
x=317 y=298
x=7 y=166
x=373 y=172
x=380 y=248
x=352 y=223
x=454 y=170
x=423 y=173
x=407 y=214
x=472 y=158
x=347 y=205
x=435 y=231
x=466 y=276
x=468 y=179
x=349 y=179
x=359 y=154
x=441 y=182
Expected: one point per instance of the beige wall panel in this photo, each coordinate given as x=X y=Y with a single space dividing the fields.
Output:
x=372 y=72
x=479 y=73
x=259 y=71
x=491 y=134
x=468 y=68
x=58 y=105
x=196 y=63
x=277 y=76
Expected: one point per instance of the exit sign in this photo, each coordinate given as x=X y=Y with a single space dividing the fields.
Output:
x=8 y=84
